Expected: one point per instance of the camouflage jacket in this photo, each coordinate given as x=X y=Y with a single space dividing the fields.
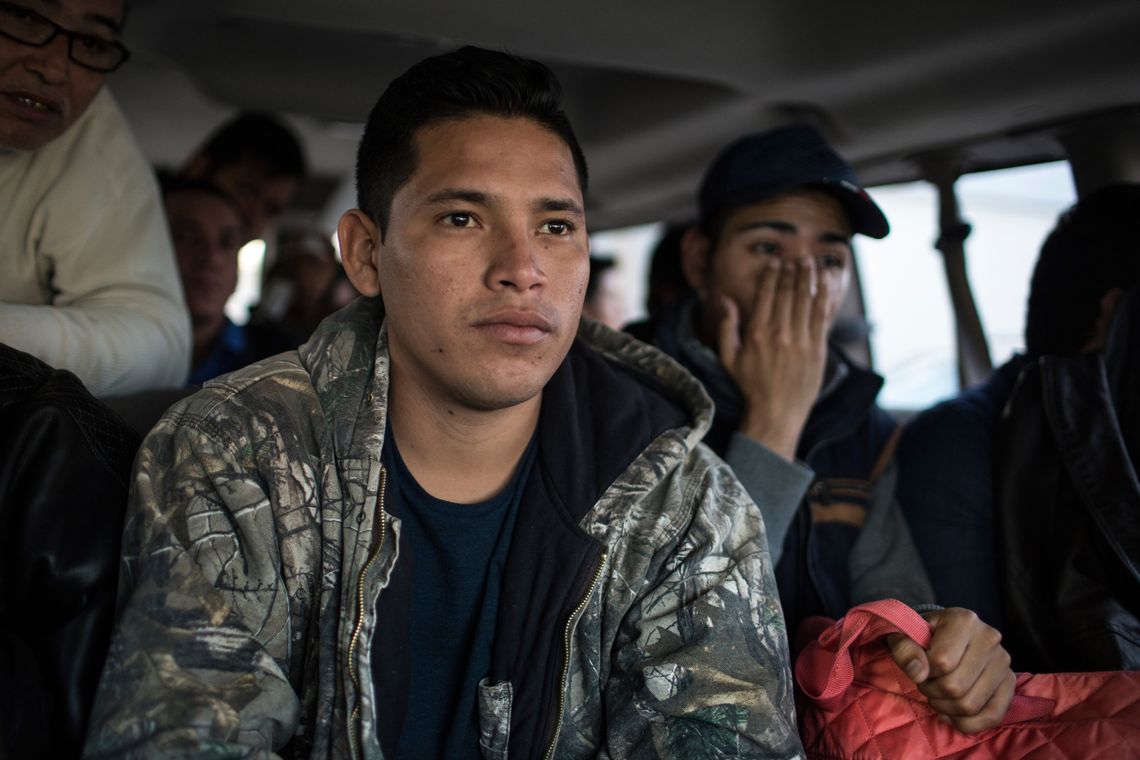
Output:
x=638 y=615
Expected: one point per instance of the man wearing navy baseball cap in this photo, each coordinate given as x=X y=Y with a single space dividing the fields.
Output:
x=770 y=260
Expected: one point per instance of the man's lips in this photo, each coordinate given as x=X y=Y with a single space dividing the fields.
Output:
x=34 y=102
x=517 y=326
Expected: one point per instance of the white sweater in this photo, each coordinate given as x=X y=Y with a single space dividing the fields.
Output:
x=88 y=280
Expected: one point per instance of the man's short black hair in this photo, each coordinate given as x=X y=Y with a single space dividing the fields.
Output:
x=258 y=136
x=1092 y=249
x=467 y=82
x=667 y=281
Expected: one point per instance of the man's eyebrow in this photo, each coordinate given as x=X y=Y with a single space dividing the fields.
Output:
x=540 y=205
x=789 y=228
x=112 y=24
x=774 y=224
x=98 y=18
x=459 y=194
x=565 y=205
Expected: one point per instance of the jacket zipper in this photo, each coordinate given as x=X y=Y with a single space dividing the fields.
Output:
x=352 y=672
x=570 y=622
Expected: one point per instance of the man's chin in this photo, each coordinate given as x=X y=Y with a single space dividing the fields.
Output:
x=499 y=398
x=497 y=393
x=24 y=132
x=25 y=142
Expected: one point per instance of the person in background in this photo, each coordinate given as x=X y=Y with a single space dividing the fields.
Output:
x=770 y=261
x=303 y=286
x=87 y=275
x=63 y=490
x=208 y=231
x=667 y=283
x=257 y=160
x=603 y=293
x=459 y=521
x=946 y=475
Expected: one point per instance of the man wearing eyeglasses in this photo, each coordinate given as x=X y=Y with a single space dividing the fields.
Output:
x=87 y=275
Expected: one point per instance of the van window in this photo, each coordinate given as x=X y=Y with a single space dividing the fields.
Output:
x=904 y=285
x=251 y=261
x=632 y=248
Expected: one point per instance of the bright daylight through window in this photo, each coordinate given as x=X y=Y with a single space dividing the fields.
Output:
x=912 y=325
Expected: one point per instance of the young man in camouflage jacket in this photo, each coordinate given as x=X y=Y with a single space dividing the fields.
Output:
x=297 y=585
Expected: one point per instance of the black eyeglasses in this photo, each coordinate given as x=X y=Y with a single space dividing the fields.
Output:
x=30 y=28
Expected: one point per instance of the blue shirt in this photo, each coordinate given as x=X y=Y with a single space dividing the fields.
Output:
x=226 y=354
x=457 y=553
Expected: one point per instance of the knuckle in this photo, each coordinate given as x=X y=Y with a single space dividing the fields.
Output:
x=960 y=615
x=954 y=689
x=971 y=704
x=940 y=662
x=783 y=340
x=971 y=725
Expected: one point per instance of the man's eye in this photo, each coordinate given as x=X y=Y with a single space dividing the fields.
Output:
x=767 y=248
x=557 y=227
x=187 y=239
x=459 y=219
x=94 y=44
x=829 y=261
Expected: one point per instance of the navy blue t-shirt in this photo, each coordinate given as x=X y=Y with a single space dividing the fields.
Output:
x=457 y=555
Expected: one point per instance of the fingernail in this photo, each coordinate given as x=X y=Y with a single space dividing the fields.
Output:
x=914 y=669
x=946 y=719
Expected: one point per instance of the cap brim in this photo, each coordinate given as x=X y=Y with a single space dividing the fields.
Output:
x=865 y=215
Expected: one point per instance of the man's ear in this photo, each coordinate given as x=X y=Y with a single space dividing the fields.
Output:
x=695 y=250
x=359 y=250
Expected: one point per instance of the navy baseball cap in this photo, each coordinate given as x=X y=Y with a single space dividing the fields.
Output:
x=761 y=166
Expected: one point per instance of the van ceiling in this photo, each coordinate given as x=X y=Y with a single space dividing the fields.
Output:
x=654 y=88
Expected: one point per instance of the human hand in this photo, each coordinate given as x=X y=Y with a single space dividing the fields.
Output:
x=964 y=674
x=778 y=359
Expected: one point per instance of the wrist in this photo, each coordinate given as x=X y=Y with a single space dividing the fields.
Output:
x=780 y=439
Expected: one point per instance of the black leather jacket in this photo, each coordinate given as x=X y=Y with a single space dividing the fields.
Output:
x=64 y=466
x=1069 y=504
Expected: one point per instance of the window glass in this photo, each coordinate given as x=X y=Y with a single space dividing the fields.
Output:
x=251 y=260
x=908 y=306
x=1012 y=213
x=632 y=248
x=904 y=283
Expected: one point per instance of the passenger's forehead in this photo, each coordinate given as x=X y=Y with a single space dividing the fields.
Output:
x=801 y=208
x=198 y=204
x=84 y=15
x=495 y=156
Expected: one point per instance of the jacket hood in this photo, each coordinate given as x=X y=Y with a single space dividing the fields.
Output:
x=656 y=370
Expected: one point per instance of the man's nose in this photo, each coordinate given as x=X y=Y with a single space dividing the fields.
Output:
x=799 y=250
x=219 y=254
x=515 y=262
x=51 y=61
